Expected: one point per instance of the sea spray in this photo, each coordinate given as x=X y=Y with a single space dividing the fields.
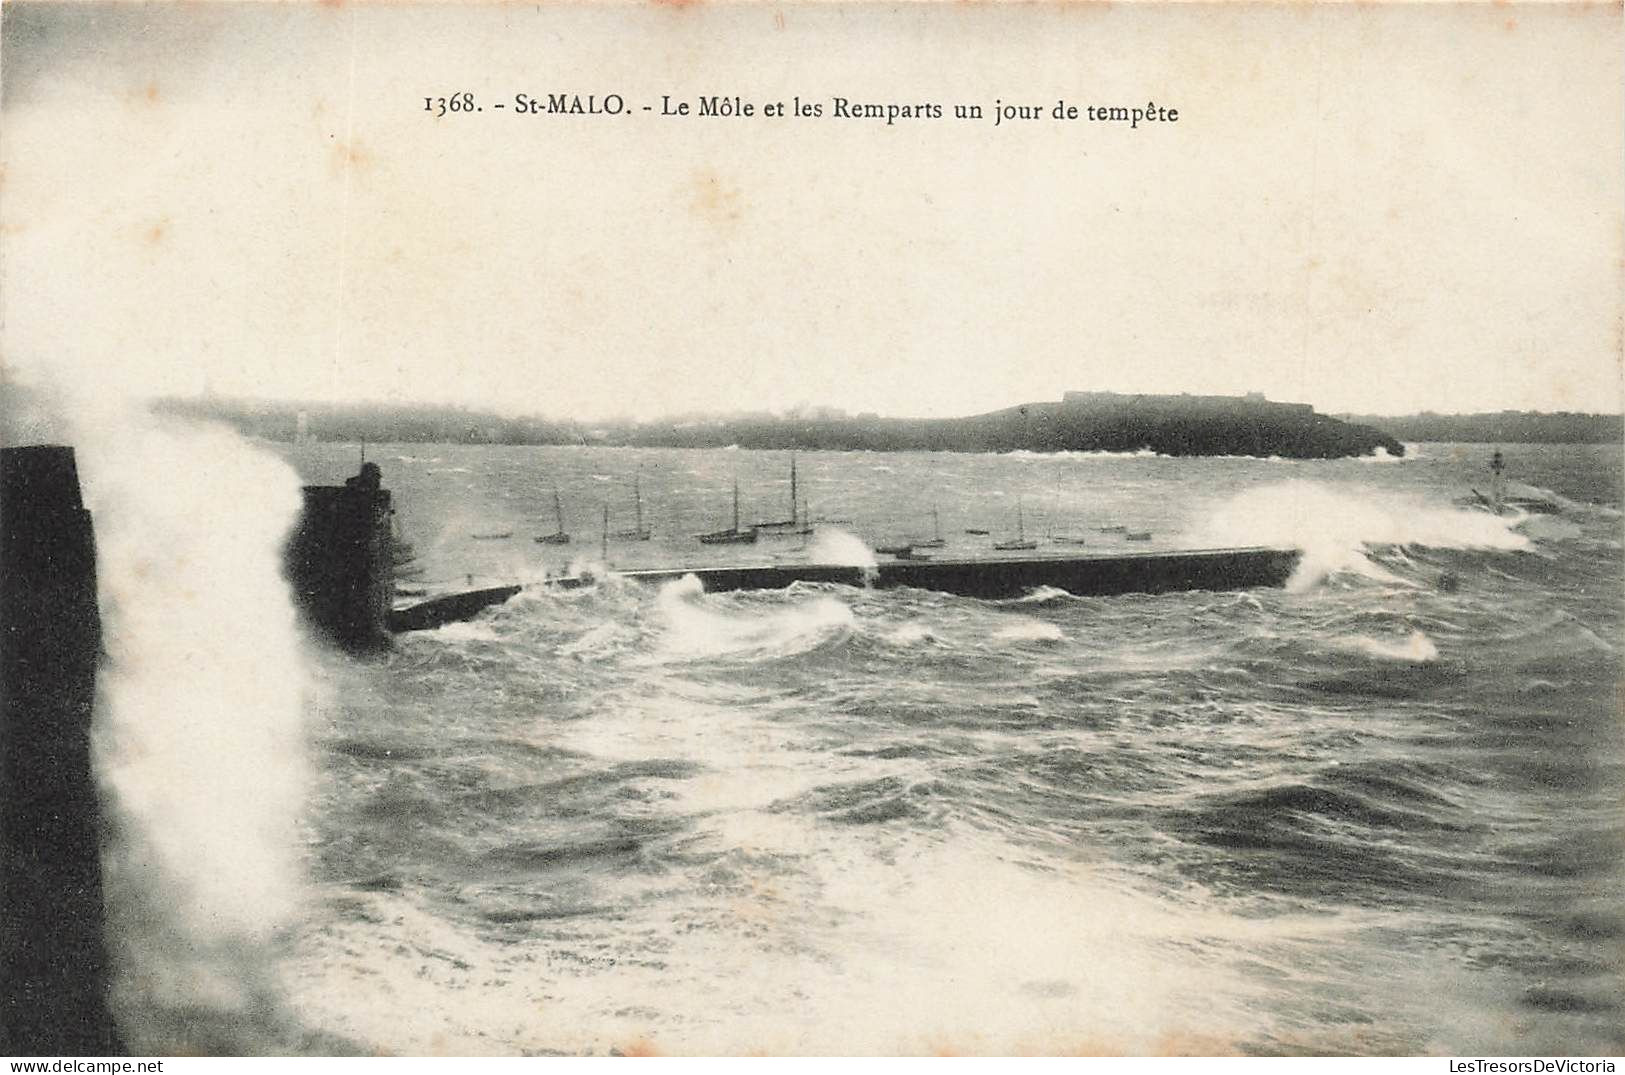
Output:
x=1380 y=455
x=199 y=742
x=835 y=546
x=1334 y=526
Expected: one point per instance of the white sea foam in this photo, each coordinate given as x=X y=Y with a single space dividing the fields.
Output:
x=696 y=631
x=1335 y=525
x=1549 y=528
x=1039 y=595
x=1025 y=630
x=913 y=633
x=1066 y=453
x=1417 y=648
x=1380 y=455
x=936 y=950
x=466 y=631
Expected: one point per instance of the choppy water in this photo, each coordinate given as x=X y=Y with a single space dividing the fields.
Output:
x=1371 y=813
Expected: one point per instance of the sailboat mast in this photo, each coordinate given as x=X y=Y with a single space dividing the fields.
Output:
x=603 y=542
x=794 y=500
x=736 y=505
x=558 y=510
x=637 y=502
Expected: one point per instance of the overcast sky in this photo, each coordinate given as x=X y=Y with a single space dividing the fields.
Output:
x=1365 y=209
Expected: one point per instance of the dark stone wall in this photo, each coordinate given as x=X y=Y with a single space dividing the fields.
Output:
x=339 y=562
x=53 y=956
x=1098 y=575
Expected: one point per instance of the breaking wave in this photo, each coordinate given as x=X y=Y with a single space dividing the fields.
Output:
x=1336 y=528
x=697 y=630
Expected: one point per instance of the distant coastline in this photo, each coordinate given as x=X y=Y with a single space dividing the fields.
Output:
x=1182 y=425
x=1500 y=427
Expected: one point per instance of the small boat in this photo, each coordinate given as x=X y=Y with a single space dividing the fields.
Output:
x=558 y=536
x=792 y=525
x=505 y=535
x=733 y=535
x=900 y=551
x=1021 y=542
x=1137 y=535
x=1112 y=529
x=1062 y=539
x=728 y=537
x=639 y=532
x=937 y=541
x=973 y=530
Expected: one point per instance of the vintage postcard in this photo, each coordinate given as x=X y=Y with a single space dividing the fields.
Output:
x=811 y=528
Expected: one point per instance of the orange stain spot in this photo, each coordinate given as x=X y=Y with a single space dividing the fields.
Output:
x=640 y=1047
x=1186 y=1044
x=147 y=95
x=351 y=155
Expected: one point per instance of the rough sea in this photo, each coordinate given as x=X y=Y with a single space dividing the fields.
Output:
x=1379 y=811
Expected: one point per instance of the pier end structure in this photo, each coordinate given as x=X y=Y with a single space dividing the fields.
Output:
x=53 y=952
x=340 y=561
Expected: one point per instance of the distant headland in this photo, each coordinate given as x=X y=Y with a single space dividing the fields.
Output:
x=1177 y=425
x=1501 y=427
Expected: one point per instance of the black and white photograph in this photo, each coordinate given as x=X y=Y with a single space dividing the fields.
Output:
x=689 y=528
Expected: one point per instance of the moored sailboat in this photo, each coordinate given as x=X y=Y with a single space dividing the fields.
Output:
x=558 y=536
x=793 y=524
x=733 y=535
x=1021 y=541
x=936 y=541
x=639 y=532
